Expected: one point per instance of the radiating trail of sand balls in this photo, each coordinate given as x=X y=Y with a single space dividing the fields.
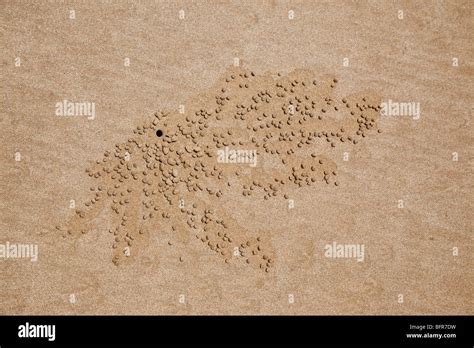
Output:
x=293 y=122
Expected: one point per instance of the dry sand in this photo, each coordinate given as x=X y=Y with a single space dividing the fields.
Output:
x=131 y=221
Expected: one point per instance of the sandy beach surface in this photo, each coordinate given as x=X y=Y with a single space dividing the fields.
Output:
x=122 y=191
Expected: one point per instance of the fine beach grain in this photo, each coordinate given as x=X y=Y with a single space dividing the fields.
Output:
x=224 y=158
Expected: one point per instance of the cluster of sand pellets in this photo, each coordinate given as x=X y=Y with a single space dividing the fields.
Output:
x=166 y=178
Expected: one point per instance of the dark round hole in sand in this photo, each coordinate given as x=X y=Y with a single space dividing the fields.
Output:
x=159 y=133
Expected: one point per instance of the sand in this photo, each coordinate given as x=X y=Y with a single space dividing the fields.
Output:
x=299 y=178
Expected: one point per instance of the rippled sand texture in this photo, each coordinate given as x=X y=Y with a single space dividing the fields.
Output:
x=128 y=222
